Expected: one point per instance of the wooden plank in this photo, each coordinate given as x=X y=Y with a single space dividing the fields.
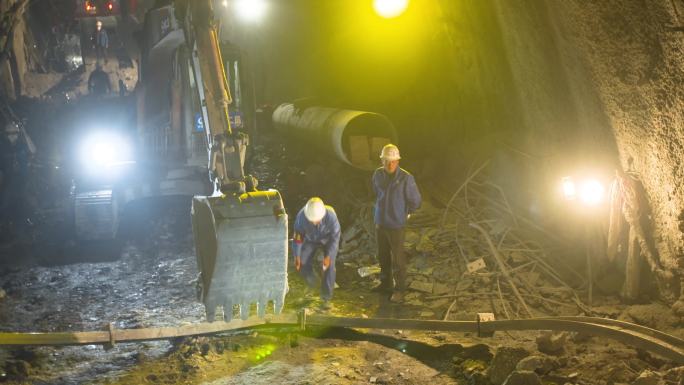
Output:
x=145 y=334
x=390 y=323
x=76 y=338
x=634 y=335
x=624 y=334
x=632 y=267
x=670 y=339
x=377 y=143
x=133 y=335
x=359 y=153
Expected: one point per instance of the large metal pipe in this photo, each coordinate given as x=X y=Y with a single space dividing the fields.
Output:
x=355 y=137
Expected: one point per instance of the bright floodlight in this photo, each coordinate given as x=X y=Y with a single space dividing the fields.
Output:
x=250 y=10
x=390 y=8
x=569 y=190
x=591 y=192
x=105 y=149
x=102 y=153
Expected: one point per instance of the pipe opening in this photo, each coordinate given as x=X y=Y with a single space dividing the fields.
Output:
x=363 y=139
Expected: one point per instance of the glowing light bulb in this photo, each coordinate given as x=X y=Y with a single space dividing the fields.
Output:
x=250 y=10
x=591 y=192
x=390 y=8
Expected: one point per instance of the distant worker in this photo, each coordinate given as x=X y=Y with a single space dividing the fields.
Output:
x=101 y=42
x=122 y=88
x=397 y=196
x=98 y=82
x=316 y=227
x=15 y=154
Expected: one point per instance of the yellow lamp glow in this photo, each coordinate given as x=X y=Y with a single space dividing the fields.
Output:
x=569 y=190
x=390 y=8
x=591 y=192
x=250 y=10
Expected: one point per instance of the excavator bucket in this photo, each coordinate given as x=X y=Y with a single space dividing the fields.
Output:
x=241 y=248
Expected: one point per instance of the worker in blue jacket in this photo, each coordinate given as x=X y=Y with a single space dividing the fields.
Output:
x=316 y=227
x=397 y=196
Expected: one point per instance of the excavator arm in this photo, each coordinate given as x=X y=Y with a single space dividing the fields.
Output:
x=240 y=233
x=226 y=148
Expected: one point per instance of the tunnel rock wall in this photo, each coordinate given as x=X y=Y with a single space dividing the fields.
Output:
x=599 y=82
x=23 y=56
x=563 y=129
x=13 y=69
x=636 y=61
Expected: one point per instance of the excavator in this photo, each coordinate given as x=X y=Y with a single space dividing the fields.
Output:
x=193 y=119
x=240 y=233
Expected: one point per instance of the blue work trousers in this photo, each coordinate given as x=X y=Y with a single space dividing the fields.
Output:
x=307 y=270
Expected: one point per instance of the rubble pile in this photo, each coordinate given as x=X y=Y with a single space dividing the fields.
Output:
x=474 y=251
x=517 y=365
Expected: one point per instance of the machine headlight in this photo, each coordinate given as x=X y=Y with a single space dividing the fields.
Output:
x=105 y=150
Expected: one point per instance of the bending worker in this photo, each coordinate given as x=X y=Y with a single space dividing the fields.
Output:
x=316 y=227
x=397 y=196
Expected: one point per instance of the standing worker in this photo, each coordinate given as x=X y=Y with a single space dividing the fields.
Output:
x=397 y=196
x=316 y=227
x=101 y=42
x=15 y=156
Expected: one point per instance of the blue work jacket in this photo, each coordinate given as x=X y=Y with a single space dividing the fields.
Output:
x=102 y=38
x=397 y=196
x=326 y=233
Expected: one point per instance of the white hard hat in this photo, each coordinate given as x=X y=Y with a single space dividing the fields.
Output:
x=390 y=152
x=314 y=209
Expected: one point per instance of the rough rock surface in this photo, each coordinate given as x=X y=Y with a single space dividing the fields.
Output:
x=537 y=364
x=552 y=343
x=522 y=378
x=635 y=61
x=504 y=362
x=600 y=82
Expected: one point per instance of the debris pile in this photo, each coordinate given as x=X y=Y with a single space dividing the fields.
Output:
x=475 y=250
x=508 y=365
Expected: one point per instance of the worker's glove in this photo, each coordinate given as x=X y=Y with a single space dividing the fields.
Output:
x=326 y=263
x=298 y=263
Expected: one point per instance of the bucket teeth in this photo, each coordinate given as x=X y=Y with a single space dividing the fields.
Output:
x=244 y=311
x=278 y=306
x=261 y=308
x=210 y=313
x=228 y=311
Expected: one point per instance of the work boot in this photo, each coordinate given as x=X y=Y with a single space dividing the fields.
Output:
x=397 y=297
x=382 y=288
x=326 y=305
x=310 y=292
x=309 y=295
